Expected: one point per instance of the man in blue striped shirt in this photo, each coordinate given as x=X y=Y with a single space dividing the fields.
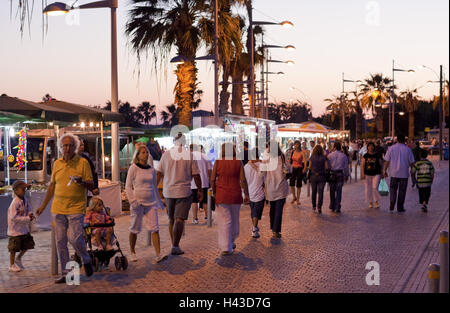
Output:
x=340 y=171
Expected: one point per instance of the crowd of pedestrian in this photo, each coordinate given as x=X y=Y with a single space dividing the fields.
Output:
x=186 y=174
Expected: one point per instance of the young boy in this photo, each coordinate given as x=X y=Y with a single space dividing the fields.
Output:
x=255 y=181
x=19 y=219
x=422 y=175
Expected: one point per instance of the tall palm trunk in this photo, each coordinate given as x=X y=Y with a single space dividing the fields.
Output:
x=185 y=90
x=359 y=118
x=224 y=94
x=411 y=124
x=379 y=122
x=237 y=93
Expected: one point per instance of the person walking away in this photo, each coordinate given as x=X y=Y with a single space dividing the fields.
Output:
x=339 y=167
x=317 y=165
x=422 y=175
x=71 y=179
x=296 y=180
x=371 y=172
x=205 y=167
x=255 y=181
x=312 y=144
x=142 y=193
x=177 y=168
x=227 y=182
x=417 y=152
x=20 y=217
x=276 y=185
x=346 y=151
x=399 y=159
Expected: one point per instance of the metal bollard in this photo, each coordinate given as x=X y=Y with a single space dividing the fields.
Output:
x=443 y=240
x=53 y=254
x=433 y=278
x=209 y=220
x=149 y=238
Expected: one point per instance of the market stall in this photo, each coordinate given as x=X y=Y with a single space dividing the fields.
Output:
x=308 y=131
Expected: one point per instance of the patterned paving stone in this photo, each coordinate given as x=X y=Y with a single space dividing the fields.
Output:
x=326 y=253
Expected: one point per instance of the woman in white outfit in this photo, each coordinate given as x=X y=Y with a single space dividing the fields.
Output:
x=143 y=195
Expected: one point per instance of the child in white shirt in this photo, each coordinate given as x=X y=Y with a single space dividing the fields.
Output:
x=255 y=182
x=19 y=220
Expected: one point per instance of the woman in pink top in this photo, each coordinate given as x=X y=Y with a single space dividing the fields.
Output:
x=227 y=182
x=297 y=162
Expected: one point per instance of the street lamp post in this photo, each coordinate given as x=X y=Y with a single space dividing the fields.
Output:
x=59 y=8
x=265 y=81
x=441 y=102
x=394 y=97
x=343 y=96
x=252 y=23
x=216 y=62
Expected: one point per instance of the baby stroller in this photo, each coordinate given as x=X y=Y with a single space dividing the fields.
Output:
x=101 y=258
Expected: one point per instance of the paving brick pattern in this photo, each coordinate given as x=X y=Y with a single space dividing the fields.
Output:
x=326 y=253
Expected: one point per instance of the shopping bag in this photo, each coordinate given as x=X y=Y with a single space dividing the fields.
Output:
x=383 y=188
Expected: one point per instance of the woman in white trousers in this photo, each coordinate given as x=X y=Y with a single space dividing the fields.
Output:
x=227 y=182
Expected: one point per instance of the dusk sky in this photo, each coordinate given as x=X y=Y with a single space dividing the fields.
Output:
x=357 y=37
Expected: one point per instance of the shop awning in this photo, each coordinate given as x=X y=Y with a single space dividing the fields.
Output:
x=309 y=127
x=8 y=118
x=86 y=113
x=35 y=110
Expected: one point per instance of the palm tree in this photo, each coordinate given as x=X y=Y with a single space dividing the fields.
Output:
x=160 y=25
x=374 y=94
x=445 y=99
x=230 y=43
x=146 y=112
x=409 y=99
x=339 y=106
x=170 y=117
x=355 y=106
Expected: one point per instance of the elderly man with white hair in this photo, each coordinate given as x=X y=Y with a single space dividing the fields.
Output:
x=71 y=178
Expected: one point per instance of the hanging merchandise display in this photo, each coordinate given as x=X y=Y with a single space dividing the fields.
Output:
x=21 y=150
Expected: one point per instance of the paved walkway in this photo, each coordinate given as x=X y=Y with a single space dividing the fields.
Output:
x=326 y=253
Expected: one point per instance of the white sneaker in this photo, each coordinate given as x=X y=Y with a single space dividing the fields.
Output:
x=14 y=268
x=195 y=221
x=160 y=258
x=133 y=257
x=18 y=262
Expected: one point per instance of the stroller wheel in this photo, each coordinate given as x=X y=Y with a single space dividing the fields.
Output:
x=124 y=262
x=118 y=263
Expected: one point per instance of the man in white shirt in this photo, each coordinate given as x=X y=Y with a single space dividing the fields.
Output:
x=399 y=159
x=255 y=182
x=178 y=168
x=205 y=166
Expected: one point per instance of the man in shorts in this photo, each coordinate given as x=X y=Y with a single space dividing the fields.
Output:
x=177 y=168
x=205 y=166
